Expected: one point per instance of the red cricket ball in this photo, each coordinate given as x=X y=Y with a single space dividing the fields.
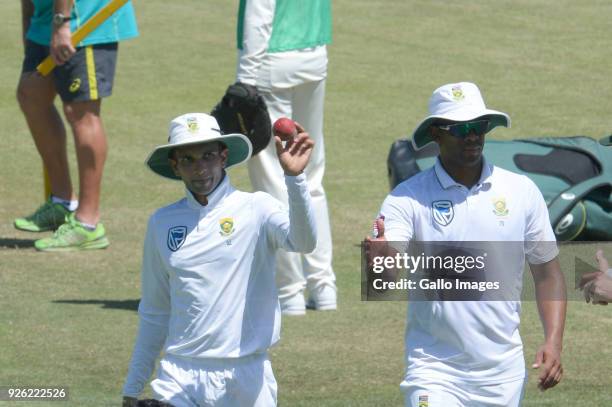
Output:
x=285 y=128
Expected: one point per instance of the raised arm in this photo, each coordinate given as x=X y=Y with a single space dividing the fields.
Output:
x=296 y=232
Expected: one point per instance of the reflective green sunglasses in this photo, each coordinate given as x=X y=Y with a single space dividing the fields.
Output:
x=461 y=130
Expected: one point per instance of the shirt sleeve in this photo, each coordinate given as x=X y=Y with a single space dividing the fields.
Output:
x=540 y=241
x=154 y=314
x=257 y=30
x=294 y=231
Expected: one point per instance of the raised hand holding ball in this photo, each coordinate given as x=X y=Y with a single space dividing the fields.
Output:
x=293 y=146
x=285 y=128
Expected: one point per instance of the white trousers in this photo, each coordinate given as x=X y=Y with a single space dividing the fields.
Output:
x=304 y=104
x=242 y=382
x=426 y=392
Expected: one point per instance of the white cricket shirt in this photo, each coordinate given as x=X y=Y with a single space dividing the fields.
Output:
x=468 y=340
x=208 y=275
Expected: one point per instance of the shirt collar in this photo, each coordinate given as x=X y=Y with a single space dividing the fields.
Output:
x=447 y=181
x=214 y=198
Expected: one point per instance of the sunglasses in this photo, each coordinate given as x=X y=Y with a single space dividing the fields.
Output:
x=461 y=130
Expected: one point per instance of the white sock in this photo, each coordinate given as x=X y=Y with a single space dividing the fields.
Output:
x=87 y=226
x=71 y=205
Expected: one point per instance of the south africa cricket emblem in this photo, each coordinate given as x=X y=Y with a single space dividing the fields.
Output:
x=192 y=124
x=499 y=207
x=424 y=401
x=227 y=226
x=457 y=93
x=176 y=237
x=442 y=212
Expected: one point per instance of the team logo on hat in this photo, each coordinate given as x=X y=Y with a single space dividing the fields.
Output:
x=424 y=401
x=227 y=226
x=192 y=124
x=176 y=237
x=457 y=93
x=443 y=212
x=499 y=207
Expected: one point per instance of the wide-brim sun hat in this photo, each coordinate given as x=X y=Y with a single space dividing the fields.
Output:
x=456 y=102
x=197 y=128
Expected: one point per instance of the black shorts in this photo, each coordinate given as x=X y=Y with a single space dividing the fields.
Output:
x=88 y=75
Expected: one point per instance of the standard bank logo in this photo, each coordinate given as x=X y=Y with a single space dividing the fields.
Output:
x=176 y=237
x=442 y=212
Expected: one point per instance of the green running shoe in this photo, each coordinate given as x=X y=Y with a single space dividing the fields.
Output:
x=48 y=217
x=73 y=236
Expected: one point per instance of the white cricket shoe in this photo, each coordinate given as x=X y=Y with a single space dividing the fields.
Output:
x=294 y=305
x=323 y=298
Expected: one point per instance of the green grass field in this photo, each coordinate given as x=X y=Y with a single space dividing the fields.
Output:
x=70 y=320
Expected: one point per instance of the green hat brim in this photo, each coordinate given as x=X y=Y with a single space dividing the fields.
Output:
x=239 y=150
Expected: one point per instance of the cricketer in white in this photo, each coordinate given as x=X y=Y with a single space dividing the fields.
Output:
x=283 y=52
x=209 y=297
x=469 y=353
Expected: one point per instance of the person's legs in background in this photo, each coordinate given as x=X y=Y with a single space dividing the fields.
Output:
x=91 y=148
x=82 y=82
x=266 y=175
x=83 y=230
x=303 y=103
x=308 y=108
x=35 y=95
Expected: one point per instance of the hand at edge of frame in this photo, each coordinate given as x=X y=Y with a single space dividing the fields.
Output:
x=597 y=286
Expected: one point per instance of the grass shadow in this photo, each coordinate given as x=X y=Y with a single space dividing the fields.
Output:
x=128 y=305
x=9 y=243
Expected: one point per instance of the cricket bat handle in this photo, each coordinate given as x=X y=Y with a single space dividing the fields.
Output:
x=46 y=66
